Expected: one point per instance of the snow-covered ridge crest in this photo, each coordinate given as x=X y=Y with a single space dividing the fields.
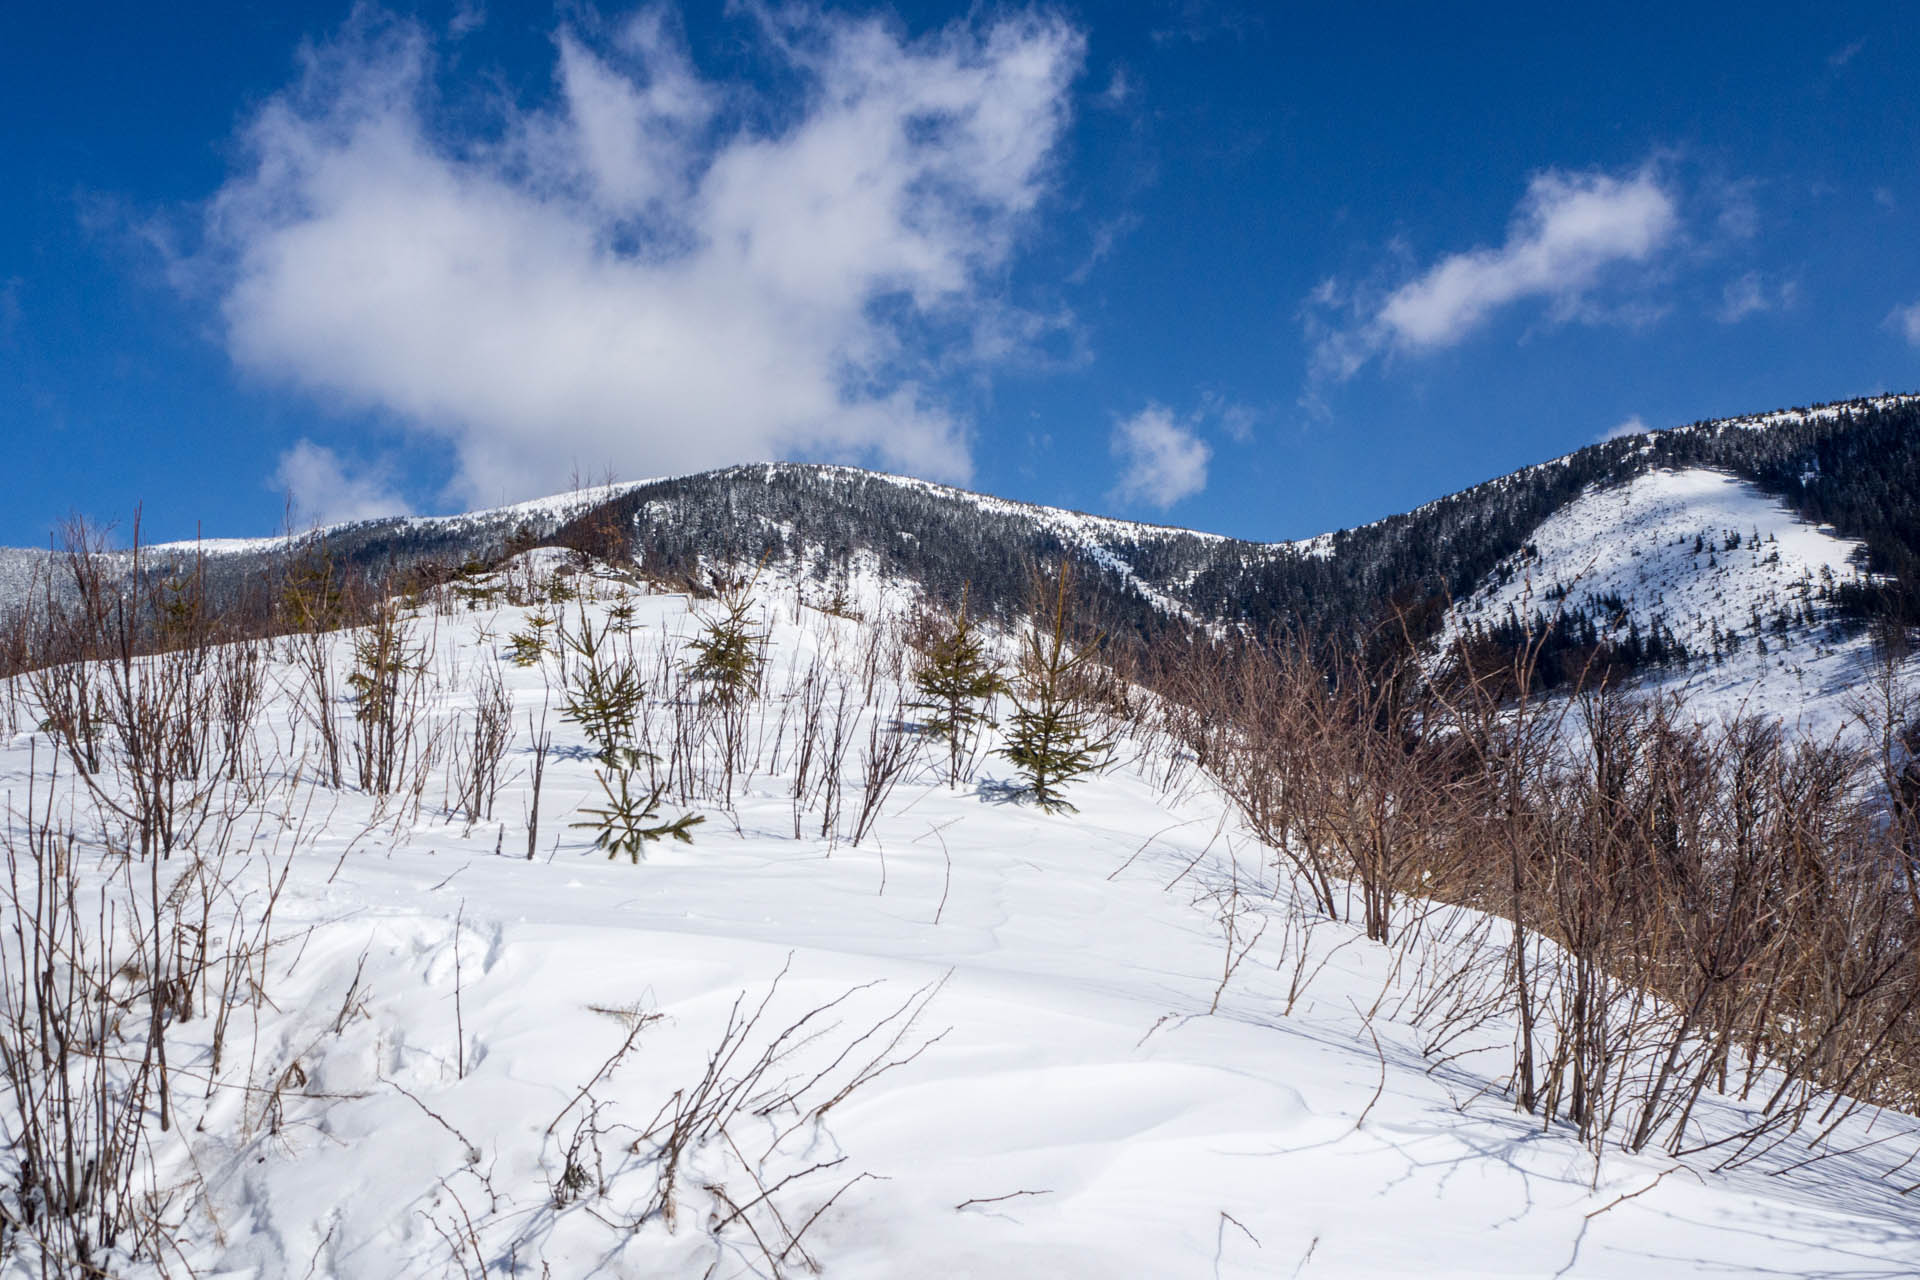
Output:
x=544 y=512
x=828 y=526
x=1827 y=412
x=1078 y=525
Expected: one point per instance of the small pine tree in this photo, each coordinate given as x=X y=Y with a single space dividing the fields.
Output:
x=954 y=686
x=727 y=654
x=182 y=609
x=311 y=598
x=530 y=645
x=603 y=694
x=630 y=818
x=1050 y=737
x=469 y=583
x=603 y=689
x=388 y=665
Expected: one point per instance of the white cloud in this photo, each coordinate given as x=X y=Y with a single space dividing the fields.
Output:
x=1750 y=295
x=468 y=16
x=1906 y=322
x=323 y=493
x=1163 y=459
x=1234 y=419
x=1566 y=234
x=1568 y=229
x=632 y=273
x=1237 y=420
x=1841 y=57
x=1633 y=426
x=1107 y=235
x=1119 y=91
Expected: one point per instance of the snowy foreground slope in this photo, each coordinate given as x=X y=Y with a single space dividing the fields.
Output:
x=1046 y=1058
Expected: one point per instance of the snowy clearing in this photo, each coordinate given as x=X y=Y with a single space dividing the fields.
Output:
x=1024 y=1078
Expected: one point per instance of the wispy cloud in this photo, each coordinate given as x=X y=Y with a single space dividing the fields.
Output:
x=468 y=16
x=1633 y=426
x=1906 y=322
x=1120 y=90
x=1569 y=230
x=646 y=271
x=1107 y=235
x=1198 y=21
x=1162 y=457
x=1842 y=56
x=322 y=490
x=1752 y=294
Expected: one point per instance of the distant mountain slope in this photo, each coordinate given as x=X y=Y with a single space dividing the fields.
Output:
x=1854 y=466
x=370 y=545
x=1694 y=559
x=1694 y=573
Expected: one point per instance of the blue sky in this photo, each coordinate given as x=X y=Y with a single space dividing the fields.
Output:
x=1260 y=272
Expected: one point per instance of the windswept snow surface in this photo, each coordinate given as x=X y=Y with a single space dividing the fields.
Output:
x=1075 y=1112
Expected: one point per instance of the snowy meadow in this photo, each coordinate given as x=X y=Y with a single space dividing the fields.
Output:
x=545 y=921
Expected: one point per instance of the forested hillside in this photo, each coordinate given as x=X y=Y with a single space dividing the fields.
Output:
x=1853 y=465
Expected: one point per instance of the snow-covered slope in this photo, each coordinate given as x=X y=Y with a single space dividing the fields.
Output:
x=1052 y=1064
x=1697 y=552
x=1624 y=561
x=27 y=571
x=1707 y=561
x=540 y=513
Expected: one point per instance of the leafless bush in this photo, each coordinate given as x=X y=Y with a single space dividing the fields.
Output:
x=889 y=754
x=753 y=1115
x=310 y=653
x=478 y=755
x=98 y=964
x=80 y=1067
x=390 y=688
x=1661 y=911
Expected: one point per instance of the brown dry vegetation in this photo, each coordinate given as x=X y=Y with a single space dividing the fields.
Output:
x=1685 y=907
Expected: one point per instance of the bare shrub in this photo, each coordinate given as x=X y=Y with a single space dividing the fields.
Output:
x=477 y=757
x=390 y=688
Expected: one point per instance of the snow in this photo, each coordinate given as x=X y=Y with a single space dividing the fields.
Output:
x=1092 y=534
x=1814 y=413
x=1636 y=542
x=553 y=509
x=448 y=999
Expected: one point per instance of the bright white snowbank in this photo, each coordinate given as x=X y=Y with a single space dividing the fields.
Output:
x=1077 y=1063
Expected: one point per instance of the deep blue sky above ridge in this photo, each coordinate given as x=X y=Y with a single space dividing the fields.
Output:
x=1227 y=266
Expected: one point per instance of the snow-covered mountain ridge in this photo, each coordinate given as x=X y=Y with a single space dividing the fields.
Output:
x=1851 y=466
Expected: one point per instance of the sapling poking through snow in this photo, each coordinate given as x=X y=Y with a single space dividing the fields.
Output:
x=727 y=654
x=603 y=694
x=530 y=645
x=603 y=688
x=629 y=819
x=954 y=687
x=1050 y=737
